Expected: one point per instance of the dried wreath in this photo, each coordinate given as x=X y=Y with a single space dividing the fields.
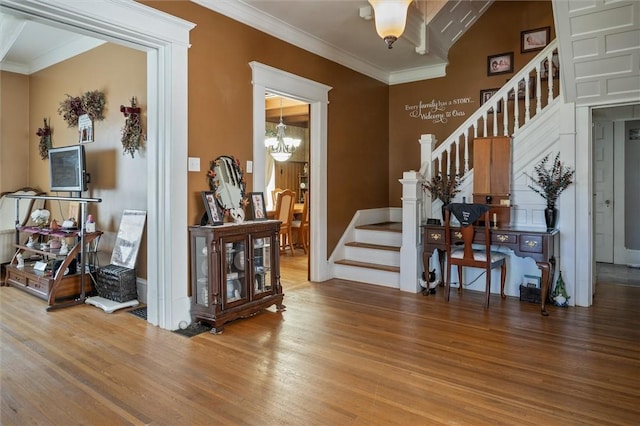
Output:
x=91 y=103
x=45 y=140
x=132 y=133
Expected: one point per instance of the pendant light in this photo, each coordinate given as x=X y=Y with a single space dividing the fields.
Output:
x=281 y=147
x=391 y=18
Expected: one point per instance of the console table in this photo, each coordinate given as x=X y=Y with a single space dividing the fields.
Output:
x=536 y=244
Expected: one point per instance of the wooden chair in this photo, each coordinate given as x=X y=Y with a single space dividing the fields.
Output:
x=467 y=214
x=302 y=225
x=284 y=213
x=274 y=195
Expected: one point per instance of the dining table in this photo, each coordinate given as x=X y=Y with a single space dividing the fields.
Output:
x=297 y=210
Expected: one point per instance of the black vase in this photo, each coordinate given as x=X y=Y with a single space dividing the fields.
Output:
x=550 y=217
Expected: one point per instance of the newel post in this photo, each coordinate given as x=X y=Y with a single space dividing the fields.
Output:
x=427 y=145
x=411 y=250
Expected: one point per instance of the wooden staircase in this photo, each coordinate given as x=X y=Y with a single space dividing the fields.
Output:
x=373 y=256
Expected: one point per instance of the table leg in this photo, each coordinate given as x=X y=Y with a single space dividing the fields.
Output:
x=547 y=275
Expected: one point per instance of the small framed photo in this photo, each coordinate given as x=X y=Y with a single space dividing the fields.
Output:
x=85 y=129
x=531 y=281
x=537 y=39
x=258 y=208
x=501 y=63
x=522 y=89
x=486 y=94
x=210 y=205
x=555 y=67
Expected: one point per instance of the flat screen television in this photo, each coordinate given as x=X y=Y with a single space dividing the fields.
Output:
x=67 y=168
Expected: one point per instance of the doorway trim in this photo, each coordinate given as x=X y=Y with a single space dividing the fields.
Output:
x=165 y=38
x=268 y=79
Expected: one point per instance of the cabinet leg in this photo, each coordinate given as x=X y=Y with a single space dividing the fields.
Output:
x=280 y=307
x=217 y=330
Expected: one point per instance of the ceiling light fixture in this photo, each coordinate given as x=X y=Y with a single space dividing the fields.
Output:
x=391 y=17
x=281 y=147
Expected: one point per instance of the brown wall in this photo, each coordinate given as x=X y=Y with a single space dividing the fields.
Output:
x=220 y=111
x=119 y=180
x=14 y=131
x=497 y=31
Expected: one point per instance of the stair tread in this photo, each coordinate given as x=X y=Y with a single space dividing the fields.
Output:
x=372 y=246
x=387 y=268
x=383 y=226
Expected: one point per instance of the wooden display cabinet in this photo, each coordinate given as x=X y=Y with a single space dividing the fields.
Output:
x=492 y=175
x=235 y=271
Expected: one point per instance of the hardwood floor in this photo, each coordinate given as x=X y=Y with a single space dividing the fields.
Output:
x=342 y=353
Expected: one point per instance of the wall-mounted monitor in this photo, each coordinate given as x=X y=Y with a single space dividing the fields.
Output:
x=67 y=169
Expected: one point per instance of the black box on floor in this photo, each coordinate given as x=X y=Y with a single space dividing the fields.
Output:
x=117 y=283
x=529 y=294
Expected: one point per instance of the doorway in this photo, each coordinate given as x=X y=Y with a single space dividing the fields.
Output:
x=267 y=79
x=616 y=189
x=124 y=23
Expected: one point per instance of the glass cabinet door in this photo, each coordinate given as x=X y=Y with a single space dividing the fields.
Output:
x=262 y=266
x=201 y=270
x=234 y=288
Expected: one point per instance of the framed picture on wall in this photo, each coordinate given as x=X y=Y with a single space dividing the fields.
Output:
x=213 y=211
x=537 y=39
x=486 y=94
x=522 y=89
x=258 y=208
x=501 y=63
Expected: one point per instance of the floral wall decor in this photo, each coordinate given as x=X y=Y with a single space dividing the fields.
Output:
x=45 y=140
x=132 y=133
x=90 y=103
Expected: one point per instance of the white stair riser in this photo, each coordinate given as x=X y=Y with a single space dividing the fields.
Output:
x=379 y=257
x=379 y=237
x=366 y=275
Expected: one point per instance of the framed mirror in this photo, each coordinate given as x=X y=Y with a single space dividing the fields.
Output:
x=227 y=181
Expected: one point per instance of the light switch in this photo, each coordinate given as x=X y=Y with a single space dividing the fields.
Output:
x=249 y=166
x=194 y=164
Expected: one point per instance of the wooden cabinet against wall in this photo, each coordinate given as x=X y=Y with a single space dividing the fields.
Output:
x=235 y=271
x=492 y=175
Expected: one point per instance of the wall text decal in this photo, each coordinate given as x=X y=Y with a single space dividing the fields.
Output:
x=438 y=111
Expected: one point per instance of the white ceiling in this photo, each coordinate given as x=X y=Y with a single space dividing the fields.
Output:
x=333 y=29
x=27 y=46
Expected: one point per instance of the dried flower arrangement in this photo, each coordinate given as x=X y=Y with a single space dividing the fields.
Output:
x=45 y=140
x=132 y=133
x=550 y=183
x=90 y=103
x=443 y=189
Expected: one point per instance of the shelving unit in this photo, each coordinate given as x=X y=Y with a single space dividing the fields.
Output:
x=235 y=271
x=47 y=273
x=303 y=186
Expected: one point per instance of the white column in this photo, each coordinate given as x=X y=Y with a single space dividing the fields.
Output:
x=411 y=250
x=427 y=145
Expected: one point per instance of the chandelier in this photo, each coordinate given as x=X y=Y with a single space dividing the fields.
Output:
x=281 y=147
x=391 y=17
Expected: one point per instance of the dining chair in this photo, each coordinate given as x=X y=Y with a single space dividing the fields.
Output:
x=274 y=195
x=284 y=213
x=302 y=225
x=461 y=253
